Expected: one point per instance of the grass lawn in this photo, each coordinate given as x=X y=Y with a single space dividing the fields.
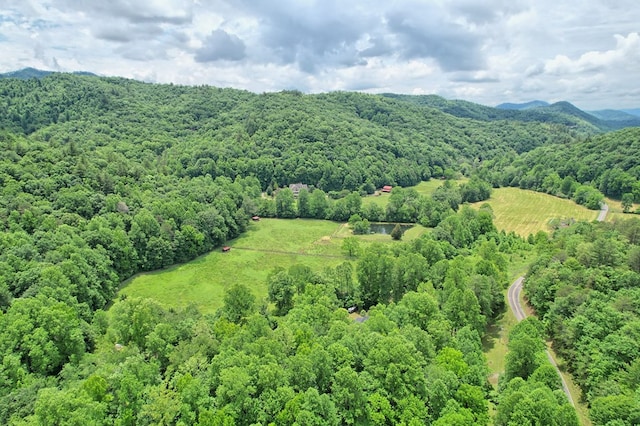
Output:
x=267 y=244
x=527 y=212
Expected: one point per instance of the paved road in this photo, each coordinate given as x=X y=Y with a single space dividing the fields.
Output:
x=513 y=296
x=603 y=212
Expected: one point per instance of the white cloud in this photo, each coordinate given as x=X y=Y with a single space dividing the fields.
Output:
x=488 y=52
x=626 y=52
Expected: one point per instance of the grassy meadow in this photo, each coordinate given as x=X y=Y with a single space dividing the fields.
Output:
x=615 y=210
x=266 y=244
x=527 y=212
x=423 y=188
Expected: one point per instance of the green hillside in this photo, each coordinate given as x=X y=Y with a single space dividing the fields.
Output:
x=562 y=113
x=306 y=317
x=608 y=162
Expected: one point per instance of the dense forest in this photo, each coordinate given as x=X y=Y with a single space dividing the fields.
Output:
x=102 y=178
x=585 y=286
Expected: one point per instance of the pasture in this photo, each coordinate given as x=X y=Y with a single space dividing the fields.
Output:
x=527 y=212
x=265 y=245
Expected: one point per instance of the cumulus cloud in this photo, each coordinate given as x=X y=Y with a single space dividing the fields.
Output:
x=429 y=35
x=220 y=45
x=627 y=52
x=490 y=52
x=313 y=35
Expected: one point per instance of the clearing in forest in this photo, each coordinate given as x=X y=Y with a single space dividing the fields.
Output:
x=527 y=212
x=425 y=188
x=265 y=245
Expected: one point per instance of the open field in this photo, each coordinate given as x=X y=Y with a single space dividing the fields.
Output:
x=527 y=212
x=615 y=210
x=423 y=188
x=265 y=245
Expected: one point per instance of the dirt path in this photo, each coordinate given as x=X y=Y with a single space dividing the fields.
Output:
x=513 y=296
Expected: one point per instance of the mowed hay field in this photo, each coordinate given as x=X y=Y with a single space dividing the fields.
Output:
x=267 y=244
x=615 y=210
x=527 y=212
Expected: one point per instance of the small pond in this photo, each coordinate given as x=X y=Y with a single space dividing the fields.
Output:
x=386 y=228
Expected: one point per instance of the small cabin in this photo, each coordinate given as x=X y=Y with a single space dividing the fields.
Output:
x=226 y=249
x=387 y=188
x=255 y=218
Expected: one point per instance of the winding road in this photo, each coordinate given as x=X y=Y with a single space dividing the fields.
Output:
x=513 y=296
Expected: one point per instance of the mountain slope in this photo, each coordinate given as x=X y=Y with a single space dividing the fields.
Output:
x=609 y=162
x=634 y=111
x=624 y=119
x=522 y=106
x=562 y=113
x=612 y=115
x=27 y=73
x=334 y=140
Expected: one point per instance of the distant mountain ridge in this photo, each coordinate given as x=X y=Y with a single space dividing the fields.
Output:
x=563 y=113
x=634 y=111
x=522 y=106
x=27 y=73
x=614 y=115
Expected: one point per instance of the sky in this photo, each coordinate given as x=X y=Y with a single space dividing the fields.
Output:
x=489 y=52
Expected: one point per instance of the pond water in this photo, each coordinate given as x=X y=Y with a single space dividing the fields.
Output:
x=386 y=228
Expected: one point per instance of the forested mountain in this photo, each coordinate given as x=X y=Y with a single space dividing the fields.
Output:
x=28 y=73
x=525 y=105
x=562 y=113
x=102 y=178
x=614 y=115
x=608 y=162
x=280 y=137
